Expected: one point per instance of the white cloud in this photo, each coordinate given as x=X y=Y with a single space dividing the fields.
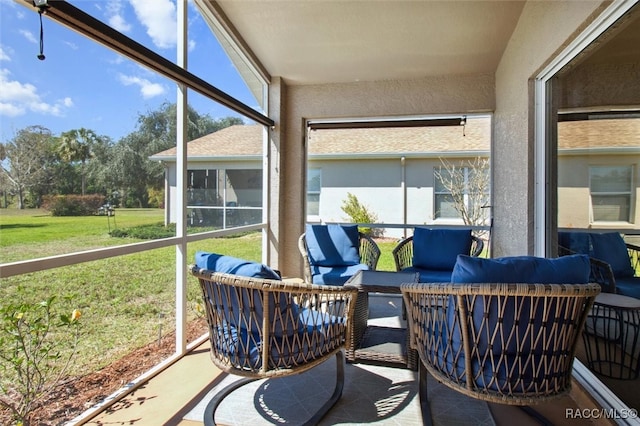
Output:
x=192 y=45
x=29 y=36
x=147 y=88
x=159 y=17
x=116 y=18
x=4 y=56
x=18 y=98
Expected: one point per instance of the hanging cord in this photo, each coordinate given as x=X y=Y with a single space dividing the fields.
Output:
x=41 y=55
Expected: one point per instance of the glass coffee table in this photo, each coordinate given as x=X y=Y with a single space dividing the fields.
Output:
x=374 y=343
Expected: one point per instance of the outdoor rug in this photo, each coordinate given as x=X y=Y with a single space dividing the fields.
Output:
x=372 y=394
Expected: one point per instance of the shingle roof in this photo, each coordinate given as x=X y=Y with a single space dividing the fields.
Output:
x=604 y=133
x=231 y=141
x=246 y=140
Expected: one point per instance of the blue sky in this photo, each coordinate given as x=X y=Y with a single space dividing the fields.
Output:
x=84 y=84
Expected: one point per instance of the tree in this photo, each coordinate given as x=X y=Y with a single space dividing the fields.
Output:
x=76 y=145
x=28 y=161
x=467 y=185
x=129 y=167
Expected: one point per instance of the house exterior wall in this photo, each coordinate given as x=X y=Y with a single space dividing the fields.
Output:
x=378 y=186
x=543 y=30
x=247 y=196
x=574 y=207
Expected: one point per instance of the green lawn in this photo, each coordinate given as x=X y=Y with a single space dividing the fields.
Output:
x=127 y=301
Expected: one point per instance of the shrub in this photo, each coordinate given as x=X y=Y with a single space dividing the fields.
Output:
x=359 y=213
x=73 y=205
x=146 y=232
x=35 y=352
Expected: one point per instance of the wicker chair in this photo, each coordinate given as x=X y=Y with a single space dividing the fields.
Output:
x=303 y=326
x=369 y=253
x=615 y=264
x=504 y=343
x=403 y=252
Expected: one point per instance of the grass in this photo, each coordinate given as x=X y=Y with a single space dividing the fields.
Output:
x=127 y=301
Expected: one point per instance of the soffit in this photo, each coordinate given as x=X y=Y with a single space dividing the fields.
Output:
x=315 y=42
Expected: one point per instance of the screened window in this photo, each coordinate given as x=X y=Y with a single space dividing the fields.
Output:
x=461 y=192
x=224 y=198
x=611 y=193
x=314 y=184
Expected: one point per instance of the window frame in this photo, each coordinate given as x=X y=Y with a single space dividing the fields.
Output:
x=628 y=193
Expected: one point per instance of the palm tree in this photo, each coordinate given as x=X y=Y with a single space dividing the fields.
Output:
x=75 y=145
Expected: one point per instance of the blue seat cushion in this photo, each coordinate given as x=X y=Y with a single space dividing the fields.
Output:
x=335 y=275
x=333 y=245
x=610 y=247
x=573 y=269
x=437 y=249
x=308 y=342
x=233 y=265
x=430 y=275
x=628 y=286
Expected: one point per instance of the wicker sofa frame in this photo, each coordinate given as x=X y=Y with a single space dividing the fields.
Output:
x=249 y=301
x=525 y=376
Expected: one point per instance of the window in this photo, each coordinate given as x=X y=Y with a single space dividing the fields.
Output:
x=314 y=184
x=224 y=198
x=610 y=188
x=461 y=192
x=444 y=202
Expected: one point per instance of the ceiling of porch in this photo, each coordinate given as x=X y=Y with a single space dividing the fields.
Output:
x=341 y=41
x=311 y=42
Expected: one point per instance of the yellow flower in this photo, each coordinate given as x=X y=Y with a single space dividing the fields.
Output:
x=18 y=315
x=75 y=315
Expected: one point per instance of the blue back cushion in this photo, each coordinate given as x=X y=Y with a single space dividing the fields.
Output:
x=333 y=245
x=235 y=306
x=573 y=269
x=578 y=242
x=610 y=247
x=438 y=248
x=232 y=265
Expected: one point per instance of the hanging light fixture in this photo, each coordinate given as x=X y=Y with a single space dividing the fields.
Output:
x=42 y=6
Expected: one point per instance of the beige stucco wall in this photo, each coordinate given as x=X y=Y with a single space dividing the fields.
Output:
x=543 y=29
x=597 y=85
x=438 y=95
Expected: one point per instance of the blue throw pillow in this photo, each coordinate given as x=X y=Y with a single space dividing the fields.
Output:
x=438 y=248
x=573 y=269
x=610 y=247
x=333 y=245
x=232 y=265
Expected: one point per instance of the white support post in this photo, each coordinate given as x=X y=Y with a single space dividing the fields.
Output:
x=181 y=179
